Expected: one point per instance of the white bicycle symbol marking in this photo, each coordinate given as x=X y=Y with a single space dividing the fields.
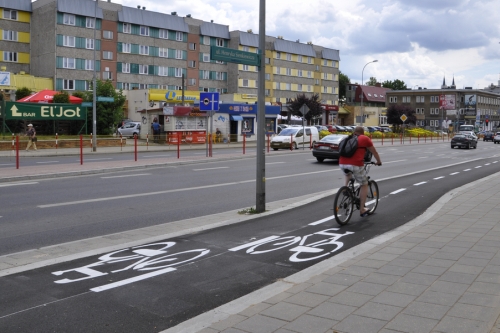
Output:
x=150 y=257
x=302 y=251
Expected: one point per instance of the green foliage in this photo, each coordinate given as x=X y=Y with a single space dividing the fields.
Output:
x=61 y=97
x=395 y=85
x=343 y=81
x=323 y=133
x=372 y=81
x=80 y=94
x=313 y=103
x=23 y=92
x=394 y=113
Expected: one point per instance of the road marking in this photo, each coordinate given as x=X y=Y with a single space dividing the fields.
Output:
x=156 y=155
x=6 y=164
x=211 y=169
x=417 y=184
x=394 y=161
x=17 y=184
x=326 y=219
x=495 y=162
x=132 y=280
x=48 y=162
x=280 y=162
x=439 y=177
x=397 y=191
x=199 y=153
x=95 y=159
x=453 y=173
x=477 y=167
x=424 y=157
x=139 y=174
x=487 y=163
x=467 y=170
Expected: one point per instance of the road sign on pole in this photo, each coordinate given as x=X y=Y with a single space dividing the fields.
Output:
x=209 y=101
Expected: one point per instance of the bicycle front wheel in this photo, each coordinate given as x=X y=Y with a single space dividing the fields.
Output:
x=343 y=205
x=372 y=196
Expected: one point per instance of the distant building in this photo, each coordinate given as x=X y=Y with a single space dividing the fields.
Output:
x=373 y=105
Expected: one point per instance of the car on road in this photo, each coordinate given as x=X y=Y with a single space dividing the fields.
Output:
x=130 y=129
x=328 y=147
x=293 y=136
x=496 y=138
x=464 y=140
x=488 y=136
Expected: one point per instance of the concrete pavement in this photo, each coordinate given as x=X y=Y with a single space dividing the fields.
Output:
x=437 y=273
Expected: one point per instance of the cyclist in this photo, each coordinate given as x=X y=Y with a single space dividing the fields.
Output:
x=354 y=166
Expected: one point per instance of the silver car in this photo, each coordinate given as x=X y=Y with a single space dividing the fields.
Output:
x=131 y=129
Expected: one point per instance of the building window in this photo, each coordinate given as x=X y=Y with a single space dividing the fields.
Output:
x=434 y=99
x=179 y=36
x=69 y=41
x=10 y=56
x=309 y=60
x=288 y=71
x=107 y=75
x=143 y=86
x=106 y=34
x=126 y=86
x=68 y=19
x=219 y=62
x=267 y=60
x=420 y=99
x=393 y=99
x=10 y=35
x=192 y=46
x=325 y=62
x=219 y=76
x=309 y=88
x=68 y=84
x=178 y=72
x=89 y=65
x=69 y=63
x=317 y=81
x=219 y=42
x=192 y=82
x=89 y=43
x=299 y=58
x=245 y=67
x=317 y=68
x=205 y=75
x=90 y=22
x=10 y=14
x=288 y=57
x=325 y=89
x=299 y=87
x=144 y=31
x=126 y=67
x=244 y=48
x=192 y=63
x=206 y=57
x=144 y=49
x=127 y=28
x=108 y=55
x=406 y=99
x=206 y=40
x=325 y=76
x=163 y=52
x=178 y=54
x=299 y=73
x=309 y=74
x=126 y=47
x=278 y=55
x=245 y=83
x=143 y=69
x=267 y=92
x=163 y=33
x=278 y=70
x=163 y=71
x=268 y=76
x=288 y=86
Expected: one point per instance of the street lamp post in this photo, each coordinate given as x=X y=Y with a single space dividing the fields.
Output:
x=362 y=113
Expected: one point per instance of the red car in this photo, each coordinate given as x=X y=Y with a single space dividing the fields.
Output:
x=331 y=128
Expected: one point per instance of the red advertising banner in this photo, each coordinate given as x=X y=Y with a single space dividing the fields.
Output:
x=447 y=102
x=189 y=137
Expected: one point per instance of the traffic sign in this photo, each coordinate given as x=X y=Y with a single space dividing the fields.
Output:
x=86 y=104
x=105 y=99
x=209 y=101
x=235 y=56
x=403 y=118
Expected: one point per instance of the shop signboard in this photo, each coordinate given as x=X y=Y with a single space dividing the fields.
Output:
x=42 y=111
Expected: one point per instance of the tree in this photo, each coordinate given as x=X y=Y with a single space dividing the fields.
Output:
x=372 y=81
x=61 y=97
x=394 y=113
x=312 y=103
x=395 y=85
x=23 y=92
x=343 y=81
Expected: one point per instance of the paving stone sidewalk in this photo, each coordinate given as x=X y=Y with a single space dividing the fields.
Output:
x=438 y=273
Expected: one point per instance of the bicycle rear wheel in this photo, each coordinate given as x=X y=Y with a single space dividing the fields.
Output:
x=343 y=205
x=372 y=196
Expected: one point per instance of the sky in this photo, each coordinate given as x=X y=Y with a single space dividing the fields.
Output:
x=417 y=41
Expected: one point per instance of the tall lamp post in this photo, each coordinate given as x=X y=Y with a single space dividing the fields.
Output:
x=362 y=113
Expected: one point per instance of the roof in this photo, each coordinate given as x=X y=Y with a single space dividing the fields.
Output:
x=330 y=54
x=24 y=5
x=152 y=19
x=215 y=30
x=287 y=46
x=372 y=93
x=79 y=7
x=248 y=39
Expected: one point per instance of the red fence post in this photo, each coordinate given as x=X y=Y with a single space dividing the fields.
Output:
x=135 y=148
x=147 y=141
x=81 y=149
x=121 y=142
x=17 y=151
x=13 y=142
x=268 y=143
x=244 y=142
x=178 y=145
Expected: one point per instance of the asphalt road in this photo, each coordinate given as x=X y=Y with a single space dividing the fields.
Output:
x=152 y=287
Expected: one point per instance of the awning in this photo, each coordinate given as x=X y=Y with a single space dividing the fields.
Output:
x=343 y=111
x=236 y=118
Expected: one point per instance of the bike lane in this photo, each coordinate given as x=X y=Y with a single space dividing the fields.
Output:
x=150 y=288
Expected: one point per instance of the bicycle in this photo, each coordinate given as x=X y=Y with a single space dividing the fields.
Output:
x=347 y=198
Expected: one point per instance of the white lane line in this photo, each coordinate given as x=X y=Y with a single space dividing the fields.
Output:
x=439 y=177
x=7 y=164
x=123 y=176
x=424 y=157
x=454 y=173
x=495 y=162
x=441 y=154
x=132 y=280
x=326 y=219
x=156 y=155
x=95 y=159
x=211 y=169
x=479 y=166
x=281 y=162
x=397 y=191
x=417 y=184
x=48 y=162
x=199 y=153
x=487 y=163
x=467 y=169
x=17 y=184
x=394 y=161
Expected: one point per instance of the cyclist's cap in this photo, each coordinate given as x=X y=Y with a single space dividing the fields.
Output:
x=30 y=125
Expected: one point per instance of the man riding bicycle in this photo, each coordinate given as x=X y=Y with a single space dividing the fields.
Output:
x=354 y=166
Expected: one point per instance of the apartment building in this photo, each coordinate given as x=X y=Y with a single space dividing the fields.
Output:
x=15 y=22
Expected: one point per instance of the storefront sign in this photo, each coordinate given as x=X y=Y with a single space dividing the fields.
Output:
x=36 y=111
x=189 y=137
x=232 y=55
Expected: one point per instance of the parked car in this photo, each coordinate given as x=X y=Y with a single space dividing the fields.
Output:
x=331 y=128
x=340 y=128
x=372 y=129
x=130 y=129
x=496 y=138
x=349 y=129
x=463 y=140
x=488 y=136
x=328 y=147
x=293 y=136
x=321 y=128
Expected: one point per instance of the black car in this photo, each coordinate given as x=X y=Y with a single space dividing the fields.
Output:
x=463 y=140
x=328 y=147
x=488 y=136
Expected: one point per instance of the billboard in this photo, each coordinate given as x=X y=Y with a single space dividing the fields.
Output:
x=470 y=101
x=447 y=102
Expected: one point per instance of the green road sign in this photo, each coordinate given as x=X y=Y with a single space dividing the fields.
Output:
x=86 y=104
x=231 y=55
x=105 y=99
x=39 y=111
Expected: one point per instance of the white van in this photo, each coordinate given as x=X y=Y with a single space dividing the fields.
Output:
x=294 y=136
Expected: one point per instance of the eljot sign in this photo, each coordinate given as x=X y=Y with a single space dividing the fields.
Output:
x=42 y=111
